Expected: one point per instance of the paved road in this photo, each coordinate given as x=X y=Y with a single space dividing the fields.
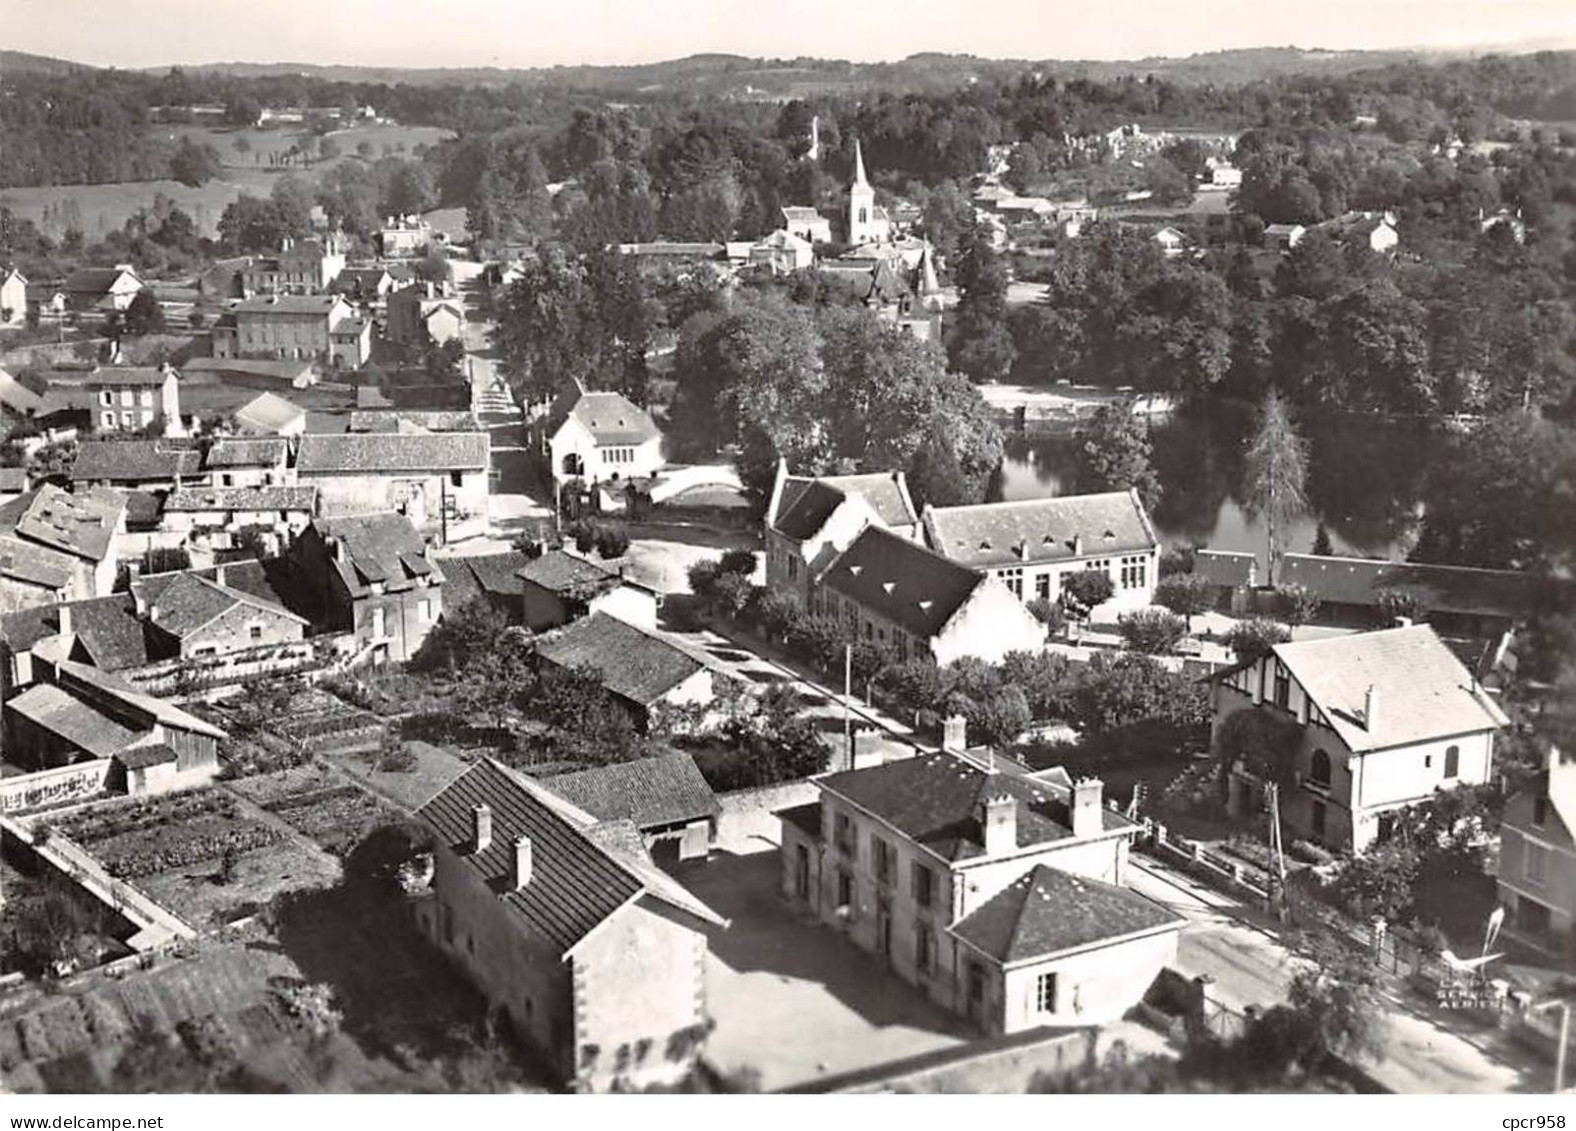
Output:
x=1252 y=967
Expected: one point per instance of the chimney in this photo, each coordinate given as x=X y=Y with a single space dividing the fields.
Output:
x=954 y=734
x=1078 y=545
x=1087 y=819
x=522 y=862
x=64 y=613
x=1403 y=622
x=481 y=827
x=1371 y=709
x=998 y=816
x=218 y=575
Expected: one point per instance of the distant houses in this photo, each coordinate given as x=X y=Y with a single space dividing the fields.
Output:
x=102 y=290
x=318 y=327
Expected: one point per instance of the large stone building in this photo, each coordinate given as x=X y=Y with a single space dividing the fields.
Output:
x=594 y=954
x=809 y=521
x=302 y=267
x=1034 y=546
x=997 y=892
x=1370 y=723
x=313 y=327
x=436 y=479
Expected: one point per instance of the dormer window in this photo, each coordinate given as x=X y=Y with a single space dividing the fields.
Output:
x=888 y=586
x=856 y=570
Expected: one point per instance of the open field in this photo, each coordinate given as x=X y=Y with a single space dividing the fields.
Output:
x=106 y=208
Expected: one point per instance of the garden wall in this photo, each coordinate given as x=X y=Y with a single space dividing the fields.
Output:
x=751 y=814
x=52 y=787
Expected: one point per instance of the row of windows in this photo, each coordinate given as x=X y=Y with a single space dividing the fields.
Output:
x=127 y=398
x=922 y=880
x=618 y=455
x=127 y=420
x=1320 y=766
x=1133 y=573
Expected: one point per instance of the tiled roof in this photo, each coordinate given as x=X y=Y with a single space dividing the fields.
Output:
x=901 y=581
x=561 y=572
x=270 y=498
x=1226 y=568
x=94 y=280
x=382 y=547
x=83 y=525
x=806 y=504
x=1049 y=912
x=114 y=687
x=651 y=792
x=36 y=565
x=576 y=883
x=80 y=723
x=231 y=452
x=611 y=418
x=473 y=575
x=392 y=452
x=142 y=757
x=287 y=372
x=404 y=420
x=1041 y=530
x=191 y=601
x=1424 y=691
x=17 y=396
x=107 y=630
x=1440 y=588
x=935 y=800
x=134 y=460
x=635 y=665
x=289 y=304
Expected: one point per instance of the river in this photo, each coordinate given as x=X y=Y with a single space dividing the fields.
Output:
x=1365 y=480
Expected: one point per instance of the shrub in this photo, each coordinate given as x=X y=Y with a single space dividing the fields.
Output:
x=1310 y=853
x=611 y=542
x=1296 y=604
x=1156 y=632
x=737 y=561
x=703 y=579
x=1049 y=613
x=1254 y=638
x=777 y=614
x=1086 y=589
x=1178 y=560
x=1186 y=594
x=582 y=532
x=1397 y=603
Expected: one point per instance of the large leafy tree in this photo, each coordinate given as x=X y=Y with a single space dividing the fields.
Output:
x=1113 y=454
x=1276 y=473
x=978 y=344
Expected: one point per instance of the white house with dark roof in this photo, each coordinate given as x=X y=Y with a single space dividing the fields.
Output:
x=234 y=461
x=810 y=520
x=806 y=223
x=13 y=298
x=214 y=518
x=102 y=289
x=890 y=590
x=558 y=587
x=1376 y=721
x=269 y=414
x=436 y=479
x=1033 y=546
x=646 y=671
x=996 y=891
x=599 y=436
x=595 y=955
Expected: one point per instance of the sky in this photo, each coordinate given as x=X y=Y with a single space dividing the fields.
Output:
x=531 y=33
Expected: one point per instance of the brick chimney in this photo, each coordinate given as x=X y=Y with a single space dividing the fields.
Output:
x=998 y=815
x=954 y=733
x=481 y=827
x=1087 y=820
x=1371 y=709
x=522 y=862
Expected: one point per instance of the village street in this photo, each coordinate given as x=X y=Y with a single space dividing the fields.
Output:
x=1251 y=967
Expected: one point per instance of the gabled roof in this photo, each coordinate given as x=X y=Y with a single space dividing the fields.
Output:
x=476 y=574
x=610 y=418
x=17 y=396
x=143 y=757
x=1049 y=912
x=1440 y=588
x=807 y=503
x=578 y=879
x=191 y=602
x=381 y=547
x=95 y=280
x=901 y=581
x=417 y=420
x=107 y=629
x=935 y=799
x=266 y=498
x=83 y=525
x=268 y=412
x=635 y=665
x=61 y=713
x=1226 y=567
x=800 y=213
x=33 y=564
x=561 y=572
x=134 y=461
x=1424 y=692
x=322 y=453
x=13 y=480
x=118 y=689
x=652 y=792
x=267 y=581
x=1041 y=530
x=319 y=305
x=230 y=452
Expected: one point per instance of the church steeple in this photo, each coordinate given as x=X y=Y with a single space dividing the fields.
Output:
x=862 y=226
x=859 y=167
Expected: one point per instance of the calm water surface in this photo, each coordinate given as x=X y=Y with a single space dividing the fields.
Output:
x=1365 y=481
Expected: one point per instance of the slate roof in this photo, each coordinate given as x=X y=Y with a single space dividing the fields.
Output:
x=806 y=818
x=934 y=799
x=901 y=581
x=267 y=413
x=61 y=713
x=290 y=304
x=610 y=418
x=190 y=602
x=265 y=580
x=806 y=504
x=134 y=461
x=652 y=792
x=116 y=688
x=1041 y=530
x=142 y=757
x=634 y=665
x=391 y=452
x=404 y=420
x=1226 y=568
x=94 y=280
x=577 y=880
x=284 y=371
x=231 y=452
x=82 y=525
x=1424 y=691
x=17 y=396
x=36 y=565
x=1049 y=912
x=561 y=572
x=269 y=498
x=106 y=628
x=1442 y=588
x=382 y=547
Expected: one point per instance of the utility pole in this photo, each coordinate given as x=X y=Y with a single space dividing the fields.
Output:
x=1272 y=792
x=848 y=694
